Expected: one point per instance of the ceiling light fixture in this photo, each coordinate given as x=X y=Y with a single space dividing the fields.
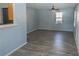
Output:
x=54 y=9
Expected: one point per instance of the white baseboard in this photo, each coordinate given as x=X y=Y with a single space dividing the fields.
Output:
x=53 y=28
x=76 y=43
x=16 y=49
x=77 y=47
x=32 y=31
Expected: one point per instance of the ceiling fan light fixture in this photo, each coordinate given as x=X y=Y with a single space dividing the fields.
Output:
x=54 y=9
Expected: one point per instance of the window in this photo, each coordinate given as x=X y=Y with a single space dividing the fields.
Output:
x=59 y=16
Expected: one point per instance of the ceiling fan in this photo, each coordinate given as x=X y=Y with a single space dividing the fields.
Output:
x=53 y=8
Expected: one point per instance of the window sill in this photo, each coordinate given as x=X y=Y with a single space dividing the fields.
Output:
x=7 y=26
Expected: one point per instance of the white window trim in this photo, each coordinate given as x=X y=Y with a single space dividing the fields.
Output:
x=7 y=26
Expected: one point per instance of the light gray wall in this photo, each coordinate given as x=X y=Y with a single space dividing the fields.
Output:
x=76 y=28
x=11 y=38
x=47 y=20
x=75 y=24
x=32 y=20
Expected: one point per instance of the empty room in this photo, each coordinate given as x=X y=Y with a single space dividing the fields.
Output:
x=39 y=29
x=51 y=30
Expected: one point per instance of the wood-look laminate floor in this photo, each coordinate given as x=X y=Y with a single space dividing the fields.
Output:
x=48 y=43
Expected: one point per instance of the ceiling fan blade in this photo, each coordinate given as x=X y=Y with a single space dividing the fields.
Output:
x=56 y=9
x=53 y=9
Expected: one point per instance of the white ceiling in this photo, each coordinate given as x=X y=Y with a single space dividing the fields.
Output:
x=49 y=5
